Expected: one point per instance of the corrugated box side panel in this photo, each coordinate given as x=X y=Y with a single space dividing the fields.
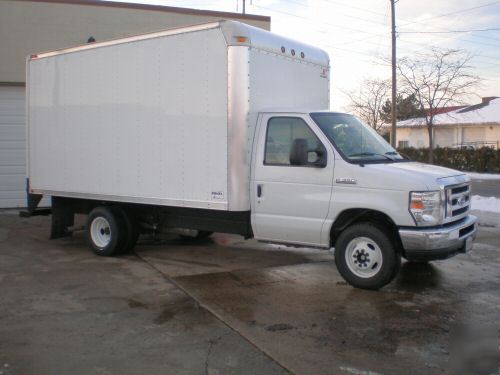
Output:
x=142 y=121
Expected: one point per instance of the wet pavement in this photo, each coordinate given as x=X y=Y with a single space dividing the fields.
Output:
x=65 y=311
x=225 y=305
x=305 y=316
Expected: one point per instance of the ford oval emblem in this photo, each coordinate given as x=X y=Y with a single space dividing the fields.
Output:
x=461 y=201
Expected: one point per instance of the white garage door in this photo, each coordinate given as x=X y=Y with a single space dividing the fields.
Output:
x=472 y=134
x=444 y=137
x=12 y=148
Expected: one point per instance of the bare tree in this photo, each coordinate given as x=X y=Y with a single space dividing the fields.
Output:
x=437 y=78
x=368 y=102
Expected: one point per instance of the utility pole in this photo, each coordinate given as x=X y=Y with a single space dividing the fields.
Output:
x=243 y=6
x=393 y=107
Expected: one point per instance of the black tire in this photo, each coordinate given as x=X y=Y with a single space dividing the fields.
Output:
x=130 y=230
x=112 y=230
x=389 y=253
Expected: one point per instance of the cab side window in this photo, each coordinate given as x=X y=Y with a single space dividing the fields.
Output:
x=280 y=136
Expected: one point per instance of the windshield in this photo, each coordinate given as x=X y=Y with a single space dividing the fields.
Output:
x=355 y=141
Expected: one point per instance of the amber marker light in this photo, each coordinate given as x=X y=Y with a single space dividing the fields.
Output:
x=417 y=205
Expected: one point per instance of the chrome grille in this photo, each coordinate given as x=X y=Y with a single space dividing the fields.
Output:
x=457 y=201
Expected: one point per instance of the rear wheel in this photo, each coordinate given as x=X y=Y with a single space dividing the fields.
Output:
x=366 y=257
x=105 y=231
x=130 y=229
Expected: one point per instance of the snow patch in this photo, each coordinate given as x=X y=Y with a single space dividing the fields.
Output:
x=483 y=176
x=490 y=204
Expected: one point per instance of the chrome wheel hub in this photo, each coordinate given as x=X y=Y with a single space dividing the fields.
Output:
x=363 y=257
x=100 y=232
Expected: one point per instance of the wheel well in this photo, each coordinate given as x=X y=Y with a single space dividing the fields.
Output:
x=361 y=215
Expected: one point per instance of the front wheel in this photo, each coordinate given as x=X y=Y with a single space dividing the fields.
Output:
x=366 y=256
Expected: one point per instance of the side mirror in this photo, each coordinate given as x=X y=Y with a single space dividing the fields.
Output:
x=299 y=154
x=321 y=159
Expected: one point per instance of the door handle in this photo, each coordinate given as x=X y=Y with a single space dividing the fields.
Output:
x=259 y=190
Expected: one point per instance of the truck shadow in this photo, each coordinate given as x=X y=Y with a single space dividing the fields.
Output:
x=416 y=277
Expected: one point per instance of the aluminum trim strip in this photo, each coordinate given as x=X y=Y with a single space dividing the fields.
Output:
x=223 y=206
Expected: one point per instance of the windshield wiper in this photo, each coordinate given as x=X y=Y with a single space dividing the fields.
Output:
x=373 y=154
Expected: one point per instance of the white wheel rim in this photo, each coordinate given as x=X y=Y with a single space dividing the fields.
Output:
x=100 y=232
x=363 y=257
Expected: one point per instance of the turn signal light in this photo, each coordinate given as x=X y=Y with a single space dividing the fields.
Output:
x=417 y=205
x=241 y=39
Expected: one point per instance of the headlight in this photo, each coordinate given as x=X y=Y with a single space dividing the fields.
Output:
x=425 y=207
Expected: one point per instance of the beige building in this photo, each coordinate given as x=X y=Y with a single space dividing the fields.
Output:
x=28 y=27
x=474 y=126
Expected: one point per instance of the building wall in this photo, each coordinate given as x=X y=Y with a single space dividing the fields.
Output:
x=28 y=27
x=493 y=134
x=448 y=136
x=416 y=137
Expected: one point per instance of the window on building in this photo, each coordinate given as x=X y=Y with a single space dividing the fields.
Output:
x=403 y=144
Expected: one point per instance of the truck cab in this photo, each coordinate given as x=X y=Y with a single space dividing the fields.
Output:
x=324 y=179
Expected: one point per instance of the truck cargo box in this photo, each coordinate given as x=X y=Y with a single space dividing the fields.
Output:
x=165 y=118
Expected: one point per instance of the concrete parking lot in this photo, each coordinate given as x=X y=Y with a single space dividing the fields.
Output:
x=225 y=305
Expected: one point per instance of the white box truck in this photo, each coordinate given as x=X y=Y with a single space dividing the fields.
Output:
x=224 y=127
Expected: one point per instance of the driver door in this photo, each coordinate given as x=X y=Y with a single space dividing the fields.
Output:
x=290 y=202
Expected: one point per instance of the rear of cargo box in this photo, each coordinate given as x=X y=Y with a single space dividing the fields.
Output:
x=142 y=120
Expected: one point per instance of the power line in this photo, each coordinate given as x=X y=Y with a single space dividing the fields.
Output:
x=312 y=23
x=447 y=32
x=325 y=32
x=364 y=31
x=420 y=22
x=373 y=35
x=346 y=15
x=354 y=7
x=475 y=42
x=457 y=12
x=453 y=13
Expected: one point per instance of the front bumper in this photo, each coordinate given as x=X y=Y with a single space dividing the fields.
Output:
x=439 y=243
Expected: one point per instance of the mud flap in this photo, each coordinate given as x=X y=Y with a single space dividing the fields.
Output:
x=63 y=217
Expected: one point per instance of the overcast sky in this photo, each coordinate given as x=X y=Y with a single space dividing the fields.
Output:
x=356 y=33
